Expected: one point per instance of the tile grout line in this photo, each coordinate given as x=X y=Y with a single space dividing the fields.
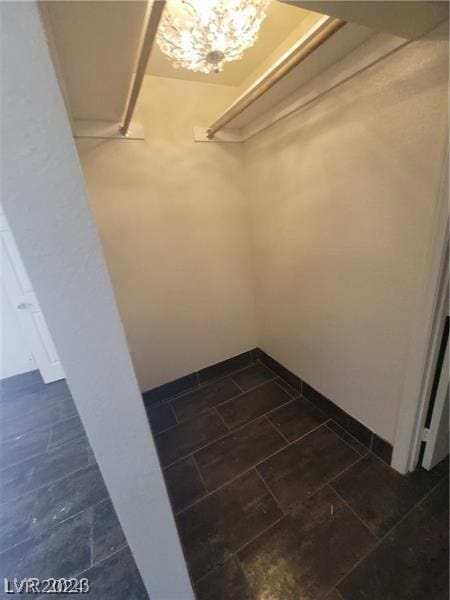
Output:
x=200 y=475
x=246 y=471
x=266 y=485
x=39 y=487
x=292 y=391
x=232 y=558
x=199 y=386
x=236 y=384
x=352 y=510
x=32 y=536
x=383 y=537
x=347 y=468
x=105 y=558
x=202 y=385
x=92 y=536
x=222 y=419
x=255 y=537
x=173 y=411
x=231 y=431
x=235 y=552
x=262 y=416
x=46 y=452
x=210 y=409
x=276 y=428
x=345 y=441
x=55 y=402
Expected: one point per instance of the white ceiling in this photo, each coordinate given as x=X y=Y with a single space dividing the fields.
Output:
x=281 y=21
x=406 y=18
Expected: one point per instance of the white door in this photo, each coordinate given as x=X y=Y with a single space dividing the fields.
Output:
x=437 y=434
x=18 y=288
x=15 y=354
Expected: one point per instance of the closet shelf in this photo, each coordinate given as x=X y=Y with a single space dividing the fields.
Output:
x=328 y=41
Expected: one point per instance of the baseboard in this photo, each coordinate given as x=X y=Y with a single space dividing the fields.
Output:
x=359 y=431
x=225 y=367
x=201 y=377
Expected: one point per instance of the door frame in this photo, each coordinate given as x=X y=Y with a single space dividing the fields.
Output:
x=426 y=336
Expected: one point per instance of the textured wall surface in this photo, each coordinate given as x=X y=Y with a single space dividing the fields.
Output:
x=319 y=226
x=175 y=235
x=45 y=202
x=342 y=197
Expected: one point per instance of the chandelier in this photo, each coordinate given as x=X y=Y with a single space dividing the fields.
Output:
x=203 y=35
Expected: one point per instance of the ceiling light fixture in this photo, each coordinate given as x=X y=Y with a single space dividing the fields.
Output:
x=202 y=35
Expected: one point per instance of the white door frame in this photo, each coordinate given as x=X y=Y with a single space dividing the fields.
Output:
x=426 y=337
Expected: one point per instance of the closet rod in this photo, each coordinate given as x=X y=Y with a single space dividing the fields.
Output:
x=281 y=69
x=147 y=45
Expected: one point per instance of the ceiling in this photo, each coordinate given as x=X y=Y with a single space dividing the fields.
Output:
x=281 y=23
x=95 y=45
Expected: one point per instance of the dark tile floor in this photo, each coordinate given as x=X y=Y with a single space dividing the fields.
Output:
x=272 y=499
x=56 y=519
x=275 y=501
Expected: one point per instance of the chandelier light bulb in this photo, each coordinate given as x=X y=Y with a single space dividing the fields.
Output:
x=203 y=35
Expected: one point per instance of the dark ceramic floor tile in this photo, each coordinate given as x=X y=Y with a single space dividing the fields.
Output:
x=66 y=431
x=256 y=354
x=67 y=408
x=297 y=418
x=26 y=403
x=42 y=469
x=161 y=417
x=411 y=563
x=183 y=483
x=196 y=402
x=108 y=536
x=281 y=371
x=287 y=388
x=214 y=528
x=35 y=512
x=252 y=404
x=58 y=388
x=305 y=554
x=253 y=376
x=382 y=449
x=62 y=551
x=225 y=367
x=183 y=439
x=351 y=441
x=227 y=582
x=15 y=520
x=168 y=390
x=18 y=383
x=221 y=461
x=305 y=466
x=354 y=427
x=380 y=495
x=14 y=427
x=23 y=446
x=334 y=595
x=115 y=578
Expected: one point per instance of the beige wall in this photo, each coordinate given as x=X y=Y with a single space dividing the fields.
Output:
x=324 y=219
x=170 y=217
x=342 y=196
